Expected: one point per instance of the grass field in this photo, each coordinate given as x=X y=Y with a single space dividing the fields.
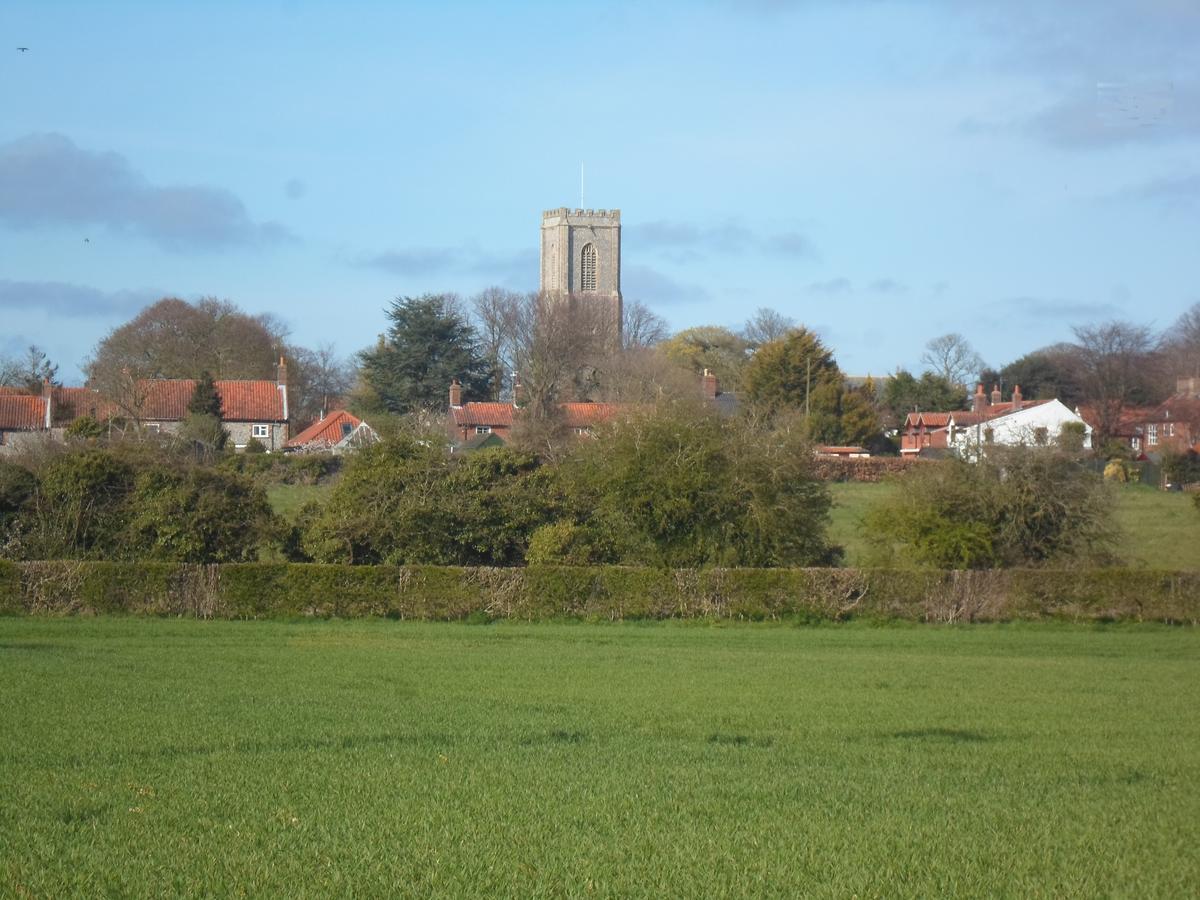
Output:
x=1160 y=529
x=164 y=757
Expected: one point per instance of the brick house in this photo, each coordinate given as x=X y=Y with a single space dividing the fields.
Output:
x=1174 y=425
x=467 y=421
x=990 y=420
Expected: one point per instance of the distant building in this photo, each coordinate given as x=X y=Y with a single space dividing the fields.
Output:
x=338 y=432
x=581 y=260
x=1174 y=425
x=23 y=417
x=990 y=421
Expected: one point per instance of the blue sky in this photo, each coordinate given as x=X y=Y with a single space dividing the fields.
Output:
x=882 y=171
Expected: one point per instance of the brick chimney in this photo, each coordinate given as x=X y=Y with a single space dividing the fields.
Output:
x=48 y=395
x=281 y=372
x=710 y=385
x=1016 y=400
x=455 y=393
x=995 y=394
x=518 y=391
x=979 y=403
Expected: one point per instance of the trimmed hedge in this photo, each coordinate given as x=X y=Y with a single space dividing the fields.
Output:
x=870 y=469
x=265 y=590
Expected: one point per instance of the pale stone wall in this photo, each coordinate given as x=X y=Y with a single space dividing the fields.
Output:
x=565 y=233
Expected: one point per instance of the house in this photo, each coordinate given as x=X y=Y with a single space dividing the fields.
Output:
x=336 y=432
x=825 y=451
x=23 y=417
x=249 y=409
x=1174 y=425
x=990 y=421
x=468 y=421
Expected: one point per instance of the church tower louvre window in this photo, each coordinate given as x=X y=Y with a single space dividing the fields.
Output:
x=587 y=268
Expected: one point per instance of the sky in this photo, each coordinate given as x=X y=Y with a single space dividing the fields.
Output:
x=881 y=172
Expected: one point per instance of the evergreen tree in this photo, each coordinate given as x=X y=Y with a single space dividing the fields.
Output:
x=429 y=343
x=205 y=399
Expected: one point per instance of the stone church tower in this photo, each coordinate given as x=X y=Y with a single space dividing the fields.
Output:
x=581 y=258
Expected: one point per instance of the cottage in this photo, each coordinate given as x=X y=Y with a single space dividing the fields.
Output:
x=467 y=421
x=990 y=421
x=1174 y=425
x=23 y=417
x=336 y=432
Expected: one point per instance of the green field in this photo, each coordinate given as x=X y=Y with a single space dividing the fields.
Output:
x=153 y=757
x=1159 y=529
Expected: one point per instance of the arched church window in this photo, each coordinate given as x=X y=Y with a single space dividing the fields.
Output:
x=587 y=268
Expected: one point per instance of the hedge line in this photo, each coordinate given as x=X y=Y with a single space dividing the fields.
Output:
x=264 y=590
x=869 y=469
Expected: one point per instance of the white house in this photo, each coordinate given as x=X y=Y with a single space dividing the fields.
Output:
x=1039 y=424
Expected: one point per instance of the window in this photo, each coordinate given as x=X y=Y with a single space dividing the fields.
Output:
x=1151 y=435
x=154 y=428
x=346 y=429
x=260 y=431
x=587 y=268
x=483 y=429
x=1169 y=430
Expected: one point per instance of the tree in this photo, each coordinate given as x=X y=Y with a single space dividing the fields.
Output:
x=1180 y=344
x=498 y=314
x=766 y=325
x=952 y=357
x=176 y=339
x=1045 y=374
x=316 y=380
x=931 y=393
x=1016 y=506
x=205 y=401
x=721 y=351
x=1110 y=363
x=429 y=343
x=29 y=372
x=797 y=372
x=641 y=327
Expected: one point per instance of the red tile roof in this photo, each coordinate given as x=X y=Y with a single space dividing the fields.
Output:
x=326 y=432
x=497 y=415
x=500 y=415
x=21 y=412
x=167 y=399
x=581 y=415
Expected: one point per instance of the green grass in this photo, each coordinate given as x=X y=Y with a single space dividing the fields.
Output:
x=152 y=757
x=1159 y=529
x=288 y=499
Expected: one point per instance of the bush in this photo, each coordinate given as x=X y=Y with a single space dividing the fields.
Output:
x=254 y=445
x=1015 y=507
x=257 y=590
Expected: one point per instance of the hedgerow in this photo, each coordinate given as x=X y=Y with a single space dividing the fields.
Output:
x=273 y=590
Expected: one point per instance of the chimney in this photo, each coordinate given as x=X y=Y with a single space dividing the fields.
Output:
x=995 y=394
x=1016 y=401
x=710 y=385
x=47 y=395
x=518 y=391
x=979 y=402
x=281 y=372
x=455 y=394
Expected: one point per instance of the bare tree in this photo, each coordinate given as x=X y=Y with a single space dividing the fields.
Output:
x=641 y=327
x=29 y=371
x=952 y=357
x=558 y=345
x=318 y=379
x=497 y=313
x=1111 y=368
x=766 y=325
x=1180 y=344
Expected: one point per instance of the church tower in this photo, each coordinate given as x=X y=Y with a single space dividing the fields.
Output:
x=581 y=258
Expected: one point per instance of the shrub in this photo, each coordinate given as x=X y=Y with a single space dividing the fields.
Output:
x=254 y=445
x=1024 y=506
x=85 y=428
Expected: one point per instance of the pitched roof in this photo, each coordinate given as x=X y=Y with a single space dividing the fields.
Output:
x=497 y=415
x=966 y=417
x=581 y=415
x=21 y=412
x=327 y=431
x=166 y=399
